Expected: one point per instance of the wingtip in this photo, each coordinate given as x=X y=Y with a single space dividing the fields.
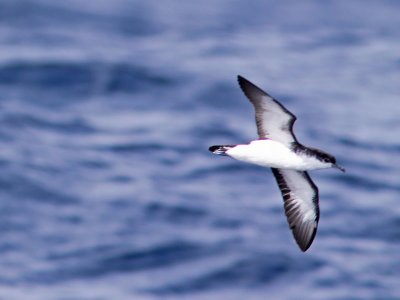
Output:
x=241 y=80
x=305 y=247
x=249 y=88
x=305 y=242
x=246 y=86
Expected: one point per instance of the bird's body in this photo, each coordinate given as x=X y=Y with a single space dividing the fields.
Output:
x=273 y=154
x=278 y=148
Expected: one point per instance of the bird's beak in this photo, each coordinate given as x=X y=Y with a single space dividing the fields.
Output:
x=339 y=167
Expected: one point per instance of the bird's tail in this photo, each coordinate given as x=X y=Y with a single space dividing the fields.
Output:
x=220 y=149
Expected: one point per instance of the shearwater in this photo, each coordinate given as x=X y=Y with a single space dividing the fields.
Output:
x=278 y=148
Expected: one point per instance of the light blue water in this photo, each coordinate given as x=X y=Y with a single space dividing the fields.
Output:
x=107 y=109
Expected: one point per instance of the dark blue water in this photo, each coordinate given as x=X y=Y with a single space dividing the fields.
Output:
x=107 y=109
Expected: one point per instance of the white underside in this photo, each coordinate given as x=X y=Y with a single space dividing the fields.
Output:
x=269 y=153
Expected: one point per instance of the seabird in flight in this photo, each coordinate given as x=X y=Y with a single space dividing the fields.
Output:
x=278 y=148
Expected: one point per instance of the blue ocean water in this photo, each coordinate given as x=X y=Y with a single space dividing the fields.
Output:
x=108 y=107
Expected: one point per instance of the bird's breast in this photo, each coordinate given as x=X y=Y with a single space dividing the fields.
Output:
x=267 y=153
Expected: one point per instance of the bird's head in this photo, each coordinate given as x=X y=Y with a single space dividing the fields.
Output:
x=328 y=160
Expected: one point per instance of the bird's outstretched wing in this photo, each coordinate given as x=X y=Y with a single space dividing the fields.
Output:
x=273 y=120
x=300 y=197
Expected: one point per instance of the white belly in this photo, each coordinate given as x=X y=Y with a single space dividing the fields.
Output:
x=269 y=153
